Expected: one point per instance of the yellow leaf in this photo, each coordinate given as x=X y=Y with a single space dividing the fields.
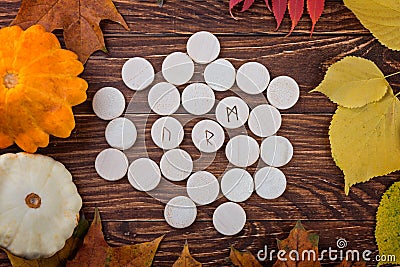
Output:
x=365 y=142
x=381 y=17
x=243 y=259
x=353 y=82
x=387 y=231
x=186 y=260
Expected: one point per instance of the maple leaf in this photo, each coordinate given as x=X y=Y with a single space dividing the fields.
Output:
x=186 y=260
x=346 y=263
x=365 y=141
x=60 y=258
x=387 y=232
x=78 y=18
x=299 y=240
x=243 y=259
x=353 y=82
x=96 y=252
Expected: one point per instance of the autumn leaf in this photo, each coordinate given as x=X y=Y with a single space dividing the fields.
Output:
x=315 y=8
x=346 y=263
x=96 y=252
x=247 y=4
x=296 y=8
x=279 y=8
x=387 y=232
x=79 y=20
x=365 y=141
x=243 y=259
x=61 y=257
x=299 y=240
x=382 y=18
x=353 y=82
x=186 y=260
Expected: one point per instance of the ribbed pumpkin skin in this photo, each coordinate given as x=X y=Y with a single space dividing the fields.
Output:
x=38 y=87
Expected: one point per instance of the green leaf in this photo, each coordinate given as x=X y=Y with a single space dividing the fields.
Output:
x=387 y=232
x=381 y=17
x=365 y=142
x=353 y=82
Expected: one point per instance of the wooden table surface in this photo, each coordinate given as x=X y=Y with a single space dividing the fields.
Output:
x=315 y=185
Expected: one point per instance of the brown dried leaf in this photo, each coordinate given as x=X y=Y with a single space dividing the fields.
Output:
x=243 y=259
x=299 y=240
x=96 y=252
x=78 y=18
x=186 y=260
x=61 y=257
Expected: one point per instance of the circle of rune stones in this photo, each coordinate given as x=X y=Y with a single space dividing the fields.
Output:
x=208 y=136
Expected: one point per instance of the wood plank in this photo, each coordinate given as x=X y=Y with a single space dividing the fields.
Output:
x=304 y=60
x=212 y=249
x=315 y=184
x=176 y=17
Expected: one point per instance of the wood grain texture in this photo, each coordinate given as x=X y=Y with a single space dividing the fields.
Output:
x=315 y=185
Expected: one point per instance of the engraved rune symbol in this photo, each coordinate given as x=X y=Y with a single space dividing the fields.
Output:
x=209 y=135
x=233 y=110
x=164 y=132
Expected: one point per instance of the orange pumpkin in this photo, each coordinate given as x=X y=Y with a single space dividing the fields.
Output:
x=38 y=87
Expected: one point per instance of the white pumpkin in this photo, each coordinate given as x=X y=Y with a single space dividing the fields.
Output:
x=39 y=205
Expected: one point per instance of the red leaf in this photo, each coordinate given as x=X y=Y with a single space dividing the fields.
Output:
x=315 y=8
x=268 y=6
x=296 y=8
x=232 y=4
x=279 y=9
x=247 y=4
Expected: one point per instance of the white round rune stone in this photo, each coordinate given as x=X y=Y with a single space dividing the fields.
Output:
x=180 y=212
x=167 y=133
x=198 y=98
x=242 y=151
x=232 y=112
x=252 y=78
x=283 y=92
x=144 y=174
x=164 y=98
x=276 y=151
x=121 y=133
x=203 y=47
x=220 y=75
x=264 y=120
x=229 y=218
x=202 y=187
x=237 y=185
x=270 y=182
x=111 y=164
x=108 y=103
x=176 y=165
x=137 y=73
x=177 y=68
x=208 y=136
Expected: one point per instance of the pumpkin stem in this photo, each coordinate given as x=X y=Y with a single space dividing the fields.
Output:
x=33 y=201
x=10 y=80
